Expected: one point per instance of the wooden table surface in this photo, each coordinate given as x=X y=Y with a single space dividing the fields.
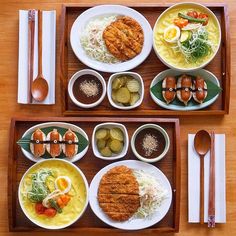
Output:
x=10 y=108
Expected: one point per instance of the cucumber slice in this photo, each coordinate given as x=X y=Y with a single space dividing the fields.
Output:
x=116 y=84
x=133 y=86
x=102 y=134
x=134 y=98
x=123 y=95
x=101 y=143
x=106 y=152
x=185 y=36
x=116 y=146
x=117 y=134
x=113 y=95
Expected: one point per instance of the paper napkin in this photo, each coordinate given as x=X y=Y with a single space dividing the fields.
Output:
x=48 y=57
x=194 y=181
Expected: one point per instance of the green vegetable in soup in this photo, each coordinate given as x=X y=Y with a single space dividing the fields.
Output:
x=191 y=19
x=198 y=46
x=55 y=206
x=185 y=36
x=39 y=189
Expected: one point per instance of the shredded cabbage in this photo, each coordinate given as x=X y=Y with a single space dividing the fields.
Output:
x=197 y=46
x=151 y=192
x=92 y=39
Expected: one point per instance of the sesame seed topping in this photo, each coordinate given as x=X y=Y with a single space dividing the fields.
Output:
x=89 y=88
x=150 y=144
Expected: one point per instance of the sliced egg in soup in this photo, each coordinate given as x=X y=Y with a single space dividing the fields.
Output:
x=172 y=34
x=63 y=183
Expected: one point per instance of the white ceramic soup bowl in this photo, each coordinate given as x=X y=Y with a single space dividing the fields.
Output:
x=51 y=162
x=191 y=5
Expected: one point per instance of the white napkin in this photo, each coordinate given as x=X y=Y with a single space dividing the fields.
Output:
x=48 y=57
x=194 y=181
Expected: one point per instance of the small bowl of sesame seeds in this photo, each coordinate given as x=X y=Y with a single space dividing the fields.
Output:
x=150 y=143
x=87 y=88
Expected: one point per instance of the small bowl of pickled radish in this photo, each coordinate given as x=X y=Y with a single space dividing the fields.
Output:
x=110 y=141
x=125 y=90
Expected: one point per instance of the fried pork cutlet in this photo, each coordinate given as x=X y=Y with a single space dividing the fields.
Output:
x=124 y=38
x=118 y=193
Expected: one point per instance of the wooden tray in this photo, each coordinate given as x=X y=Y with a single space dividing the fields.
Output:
x=90 y=165
x=69 y=64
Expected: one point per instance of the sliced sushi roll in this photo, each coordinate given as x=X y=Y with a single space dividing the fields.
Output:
x=37 y=148
x=54 y=147
x=184 y=88
x=169 y=89
x=199 y=89
x=70 y=149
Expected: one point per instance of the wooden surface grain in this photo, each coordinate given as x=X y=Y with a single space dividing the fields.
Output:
x=9 y=108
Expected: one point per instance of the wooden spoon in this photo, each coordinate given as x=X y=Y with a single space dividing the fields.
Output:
x=202 y=144
x=39 y=88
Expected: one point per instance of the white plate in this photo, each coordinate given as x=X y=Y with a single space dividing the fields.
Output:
x=62 y=125
x=134 y=224
x=80 y=23
x=207 y=75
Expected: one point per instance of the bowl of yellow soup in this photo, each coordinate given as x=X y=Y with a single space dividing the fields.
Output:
x=53 y=194
x=186 y=36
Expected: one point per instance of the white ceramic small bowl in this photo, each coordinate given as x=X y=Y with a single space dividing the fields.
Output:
x=54 y=227
x=160 y=129
x=141 y=91
x=191 y=6
x=114 y=156
x=75 y=77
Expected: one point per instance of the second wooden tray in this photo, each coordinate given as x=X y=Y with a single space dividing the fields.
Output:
x=90 y=165
x=69 y=64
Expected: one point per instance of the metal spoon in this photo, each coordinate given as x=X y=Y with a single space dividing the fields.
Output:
x=39 y=88
x=202 y=144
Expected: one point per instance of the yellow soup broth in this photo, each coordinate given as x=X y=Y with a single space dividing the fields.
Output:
x=165 y=50
x=77 y=193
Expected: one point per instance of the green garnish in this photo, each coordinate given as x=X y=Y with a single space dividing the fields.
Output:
x=185 y=35
x=39 y=189
x=54 y=205
x=191 y=19
x=197 y=46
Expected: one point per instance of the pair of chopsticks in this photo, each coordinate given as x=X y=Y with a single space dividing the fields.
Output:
x=31 y=30
x=211 y=203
